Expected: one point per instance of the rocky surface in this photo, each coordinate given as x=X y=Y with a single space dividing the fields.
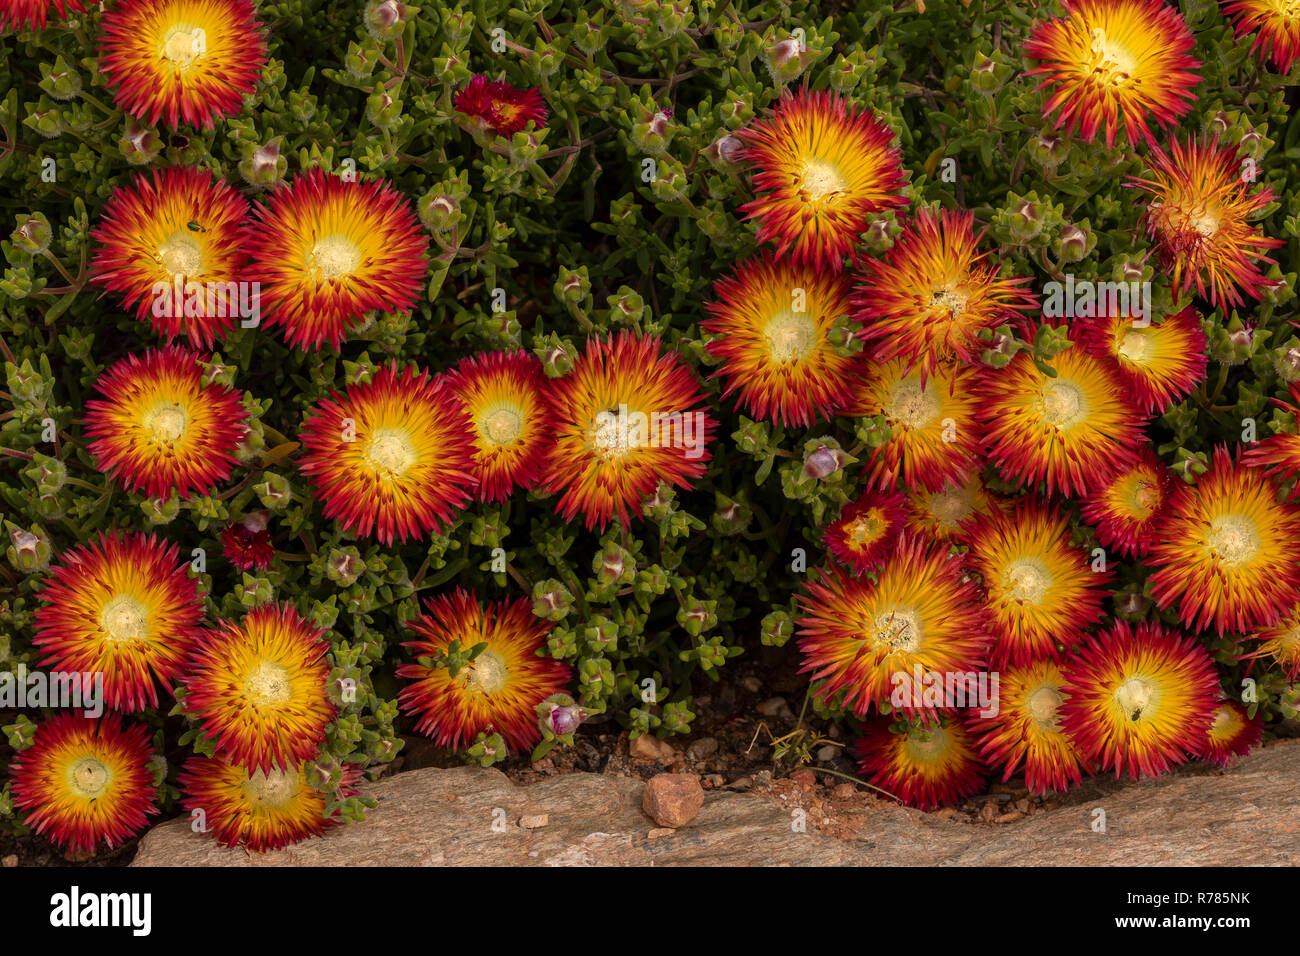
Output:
x=471 y=816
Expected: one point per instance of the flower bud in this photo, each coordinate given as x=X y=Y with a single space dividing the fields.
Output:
x=263 y=165
x=274 y=493
x=1073 y=244
x=776 y=629
x=159 y=512
x=786 y=59
x=29 y=551
x=824 y=461
x=140 y=144
x=344 y=566
x=1027 y=221
x=386 y=20
x=33 y=233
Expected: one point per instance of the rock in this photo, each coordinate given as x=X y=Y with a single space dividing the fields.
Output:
x=1010 y=817
x=659 y=832
x=751 y=683
x=742 y=783
x=775 y=707
x=843 y=791
x=649 y=747
x=704 y=747
x=10 y=861
x=827 y=752
x=1194 y=816
x=672 y=799
x=535 y=821
x=804 y=778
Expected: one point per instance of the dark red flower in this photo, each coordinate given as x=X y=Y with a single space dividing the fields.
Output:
x=504 y=109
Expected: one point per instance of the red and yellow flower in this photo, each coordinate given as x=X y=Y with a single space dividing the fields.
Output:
x=1039 y=590
x=122 y=606
x=328 y=252
x=947 y=514
x=33 y=14
x=501 y=108
x=257 y=688
x=927 y=767
x=866 y=529
x=921 y=613
x=1114 y=65
x=504 y=395
x=1200 y=218
x=1072 y=431
x=1281 y=642
x=1161 y=363
x=258 y=810
x=1228 y=552
x=182 y=61
x=1027 y=729
x=774 y=320
x=1138 y=699
x=159 y=429
x=496 y=692
x=1129 y=508
x=1233 y=733
x=821 y=167
x=627 y=417
x=927 y=301
x=391 y=457
x=935 y=432
x=1278 y=36
x=1279 y=454
x=84 y=781
x=167 y=230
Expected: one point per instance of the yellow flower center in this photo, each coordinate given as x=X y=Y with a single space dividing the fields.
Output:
x=1027 y=580
x=791 y=336
x=927 y=744
x=88 y=778
x=1063 y=403
x=275 y=789
x=911 y=405
x=1146 y=497
x=334 y=256
x=1134 y=697
x=166 y=422
x=391 y=450
x=487 y=674
x=1234 y=540
x=501 y=424
x=820 y=180
x=1043 y=704
x=182 y=45
x=1222 y=718
x=615 y=434
x=269 y=683
x=1113 y=63
x=1133 y=346
x=896 y=630
x=181 y=254
x=124 y=619
x=950 y=300
x=865 y=528
x=951 y=506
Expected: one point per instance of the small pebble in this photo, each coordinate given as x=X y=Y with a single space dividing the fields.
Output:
x=804 y=778
x=534 y=822
x=947 y=813
x=827 y=753
x=843 y=791
x=1009 y=817
x=775 y=707
x=659 y=832
x=10 y=861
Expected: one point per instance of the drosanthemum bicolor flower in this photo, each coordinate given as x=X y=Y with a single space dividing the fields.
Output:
x=84 y=781
x=1039 y=590
x=504 y=395
x=247 y=543
x=1281 y=642
x=920 y=612
x=498 y=690
x=122 y=606
x=159 y=429
x=1277 y=26
x=1200 y=217
x=774 y=321
x=1071 y=431
x=1279 y=454
x=948 y=514
x=935 y=434
x=1027 y=730
x=927 y=767
x=866 y=529
x=34 y=14
x=257 y=688
x=1161 y=363
x=1233 y=733
x=934 y=292
x=255 y=809
x=182 y=61
x=1138 y=699
x=627 y=417
x=328 y=252
x=1127 y=509
x=501 y=108
x=165 y=230
x=1228 y=552
x=821 y=166
x=1114 y=65
x=391 y=457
